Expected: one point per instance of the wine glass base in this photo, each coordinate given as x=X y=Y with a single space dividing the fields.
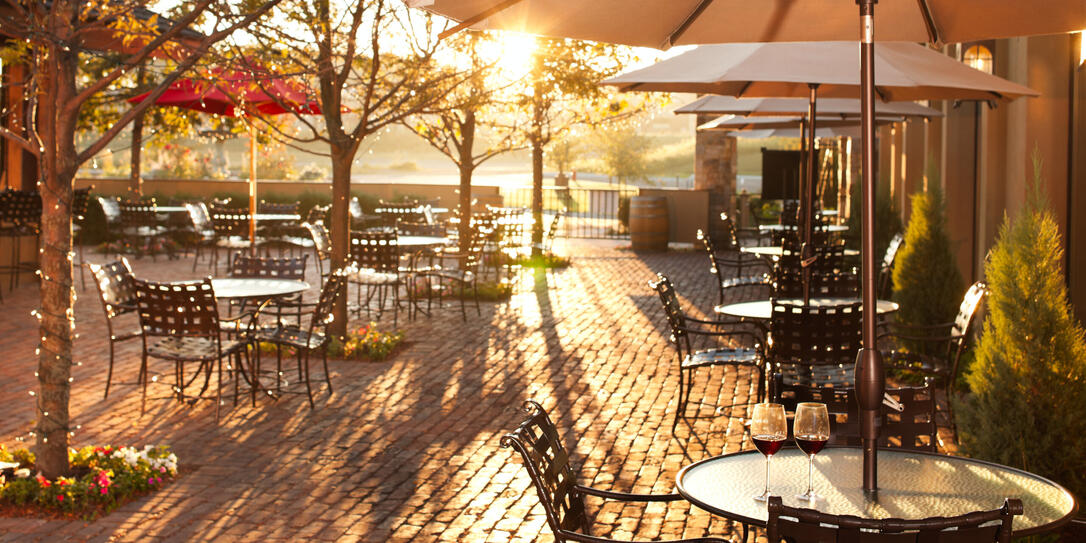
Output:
x=763 y=497
x=809 y=497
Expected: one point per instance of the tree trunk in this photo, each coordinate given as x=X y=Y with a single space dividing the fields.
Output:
x=340 y=226
x=466 y=164
x=56 y=127
x=135 y=154
x=537 y=169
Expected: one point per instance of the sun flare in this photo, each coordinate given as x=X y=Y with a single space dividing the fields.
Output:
x=511 y=52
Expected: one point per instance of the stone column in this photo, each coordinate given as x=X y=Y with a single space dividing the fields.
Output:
x=715 y=166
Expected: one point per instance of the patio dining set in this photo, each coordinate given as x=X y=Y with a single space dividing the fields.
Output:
x=264 y=300
x=796 y=330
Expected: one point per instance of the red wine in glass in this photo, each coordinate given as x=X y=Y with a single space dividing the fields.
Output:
x=768 y=444
x=811 y=444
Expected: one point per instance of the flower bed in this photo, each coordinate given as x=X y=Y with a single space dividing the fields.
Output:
x=102 y=479
x=366 y=343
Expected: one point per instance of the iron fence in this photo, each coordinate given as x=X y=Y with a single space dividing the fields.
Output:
x=590 y=213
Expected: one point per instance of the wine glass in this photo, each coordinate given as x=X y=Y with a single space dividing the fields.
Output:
x=812 y=431
x=768 y=430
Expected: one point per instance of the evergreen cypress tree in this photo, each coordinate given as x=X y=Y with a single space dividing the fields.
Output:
x=927 y=283
x=1028 y=406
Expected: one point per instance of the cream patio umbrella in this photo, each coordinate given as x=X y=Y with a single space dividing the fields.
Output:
x=827 y=107
x=663 y=23
x=741 y=122
x=906 y=71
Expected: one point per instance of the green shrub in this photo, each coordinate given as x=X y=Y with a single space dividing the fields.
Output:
x=1029 y=378
x=927 y=283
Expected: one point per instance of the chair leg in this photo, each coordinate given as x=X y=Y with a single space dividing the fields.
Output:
x=308 y=388
x=109 y=373
x=143 y=393
x=680 y=404
x=327 y=376
x=82 y=270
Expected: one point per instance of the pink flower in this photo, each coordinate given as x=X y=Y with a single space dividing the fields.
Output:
x=150 y=480
x=162 y=469
x=60 y=497
x=104 y=490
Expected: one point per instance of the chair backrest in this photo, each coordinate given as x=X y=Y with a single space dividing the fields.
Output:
x=814 y=334
x=230 y=222
x=200 y=216
x=80 y=199
x=912 y=429
x=548 y=465
x=376 y=251
x=138 y=213
x=110 y=208
x=355 y=208
x=552 y=232
x=963 y=324
x=886 y=271
x=20 y=208
x=322 y=242
x=788 y=283
x=184 y=308
x=244 y=265
x=116 y=287
x=334 y=286
x=318 y=213
x=286 y=208
x=676 y=319
x=727 y=230
x=800 y=525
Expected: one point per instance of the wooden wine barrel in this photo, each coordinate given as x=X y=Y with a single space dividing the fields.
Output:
x=648 y=223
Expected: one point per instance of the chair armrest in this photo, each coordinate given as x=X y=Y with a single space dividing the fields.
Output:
x=927 y=339
x=626 y=496
x=725 y=333
x=253 y=316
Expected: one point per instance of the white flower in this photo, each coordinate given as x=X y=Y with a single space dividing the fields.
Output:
x=22 y=473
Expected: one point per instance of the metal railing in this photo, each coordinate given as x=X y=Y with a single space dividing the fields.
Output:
x=590 y=213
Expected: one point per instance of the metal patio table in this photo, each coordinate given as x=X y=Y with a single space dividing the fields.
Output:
x=782 y=227
x=778 y=251
x=259 y=216
x=763 y=309
x=912 y=485
x=256 y=288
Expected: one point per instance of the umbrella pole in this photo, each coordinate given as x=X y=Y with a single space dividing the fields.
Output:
x=252 y=189
x=808 y=198
x=870 y=380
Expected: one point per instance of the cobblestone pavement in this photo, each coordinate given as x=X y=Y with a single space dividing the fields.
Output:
x=408 y=449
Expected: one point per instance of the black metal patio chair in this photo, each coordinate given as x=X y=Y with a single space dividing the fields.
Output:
x=909 y=424
x=181 y=324
x=935 y=351
x=814 y=345
x=728 y=267
x=20 y=216
x=117 y=292
x=548 y=465
x=684 y=329
x=259 y=267
x=305 y=339
x=800 y=525
x=437 y=272
x=375 y=267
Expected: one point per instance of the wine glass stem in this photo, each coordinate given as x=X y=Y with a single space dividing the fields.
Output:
x=810 y=474
x=768 y=458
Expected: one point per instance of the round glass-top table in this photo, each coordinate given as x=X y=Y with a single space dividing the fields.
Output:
x=778 y=251
x=419 y=242
x=259 y=216
x=763 y=309
x=782 y=227
x=912 y=485
x=243 y=287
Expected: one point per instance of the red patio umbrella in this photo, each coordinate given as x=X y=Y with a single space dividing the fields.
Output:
x=248 y=92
